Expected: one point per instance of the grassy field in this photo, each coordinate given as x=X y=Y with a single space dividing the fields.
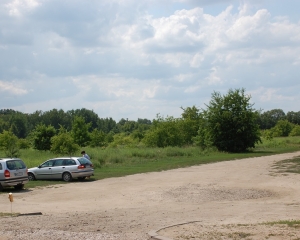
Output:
x=122 y=161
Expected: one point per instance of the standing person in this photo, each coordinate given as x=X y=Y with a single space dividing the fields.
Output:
x=85 y=155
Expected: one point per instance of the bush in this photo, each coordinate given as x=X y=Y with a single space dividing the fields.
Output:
x=295 y=131
x=230 y=122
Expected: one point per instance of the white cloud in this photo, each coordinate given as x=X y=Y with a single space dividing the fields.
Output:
x=16 y=7
x=123 y=60
x=12 y=88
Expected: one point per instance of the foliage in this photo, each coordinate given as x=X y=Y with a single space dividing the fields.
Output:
x=97 y=138
x=63 y=143
x=295 y=131
x=231 y=122
x=164 y=132
x=203 y=138
x=282 y=128
x=267 y=134
x=293 y=117
x=125 y=140
x=42 y=135
x=9 y=143
x=269 y=119
x=80 y=131
x=190 y=128
x=189 y=124
x=88 y=115
x=23 y=143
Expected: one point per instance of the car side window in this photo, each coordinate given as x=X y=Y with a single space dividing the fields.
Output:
x=49 y=163
x=1 y=166
x=59 y=162
x=68 y=162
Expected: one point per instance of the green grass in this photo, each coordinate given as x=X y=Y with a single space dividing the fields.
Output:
x=289 y=223
x=8 y=214
x=118 y=162
x=288 y=166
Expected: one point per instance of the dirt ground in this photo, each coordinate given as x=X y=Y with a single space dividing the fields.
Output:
x=226 y=200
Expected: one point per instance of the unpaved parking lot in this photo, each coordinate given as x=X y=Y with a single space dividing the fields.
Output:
x=226 y=200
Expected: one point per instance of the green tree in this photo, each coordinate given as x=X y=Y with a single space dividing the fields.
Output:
x=106 y=124
x=9 y=143
x=42 y=135
x=88 y=115
x=97 y=138
x=295 y=131
x=232 y=122
x=124 y=140
x=164 y=132
x=189 y=124
x=57 y=118
x=80 y=131
x=293 y=117
x=203 y=138
x=63 y=143
x=269 y=119
x=282 y=128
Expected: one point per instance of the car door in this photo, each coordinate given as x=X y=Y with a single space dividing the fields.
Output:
x=44 y=171
x=58 y=169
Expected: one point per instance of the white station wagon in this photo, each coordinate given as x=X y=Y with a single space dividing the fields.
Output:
x=65 y=168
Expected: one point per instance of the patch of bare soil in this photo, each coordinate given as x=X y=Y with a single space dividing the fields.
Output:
x=226 y=200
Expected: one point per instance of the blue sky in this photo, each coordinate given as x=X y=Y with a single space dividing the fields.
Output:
x=138 y=58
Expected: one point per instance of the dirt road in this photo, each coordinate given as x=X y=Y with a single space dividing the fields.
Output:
x=225 y=200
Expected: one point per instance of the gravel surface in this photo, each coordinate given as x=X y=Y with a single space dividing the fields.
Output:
x=225 y=200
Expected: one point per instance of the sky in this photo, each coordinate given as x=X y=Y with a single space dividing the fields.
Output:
x=138 y=58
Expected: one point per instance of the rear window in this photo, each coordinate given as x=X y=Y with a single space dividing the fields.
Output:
x=15 y=164
x=84 y=161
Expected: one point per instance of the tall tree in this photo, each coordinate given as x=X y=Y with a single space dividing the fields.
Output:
x=269 y=119
x=42 y=135
x=232 y=122
x=9 y=143
x=57 y=118
x=293 y=117
x=80 y=131
x=63 y=143
x=189 y=124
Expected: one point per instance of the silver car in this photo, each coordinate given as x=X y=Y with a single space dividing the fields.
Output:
x=13 y=173
x=65 y=168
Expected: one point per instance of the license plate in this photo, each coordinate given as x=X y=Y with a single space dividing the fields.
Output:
x=18 y=174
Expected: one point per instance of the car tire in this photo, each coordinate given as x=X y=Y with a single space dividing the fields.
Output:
x=19 y=186
x=31 y=177
x=67 y=177
x=1 y=188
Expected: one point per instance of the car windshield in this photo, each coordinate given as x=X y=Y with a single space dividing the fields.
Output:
x=15 y=164
x=84 y=161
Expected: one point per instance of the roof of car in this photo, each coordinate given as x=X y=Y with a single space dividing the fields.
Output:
x=6 y=158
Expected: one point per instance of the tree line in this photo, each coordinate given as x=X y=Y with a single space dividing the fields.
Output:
x=229 y=123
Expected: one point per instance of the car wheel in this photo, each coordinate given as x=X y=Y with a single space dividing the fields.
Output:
x=31 y=177
x=1 y=188
x=19 y=186
x=67 y=177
